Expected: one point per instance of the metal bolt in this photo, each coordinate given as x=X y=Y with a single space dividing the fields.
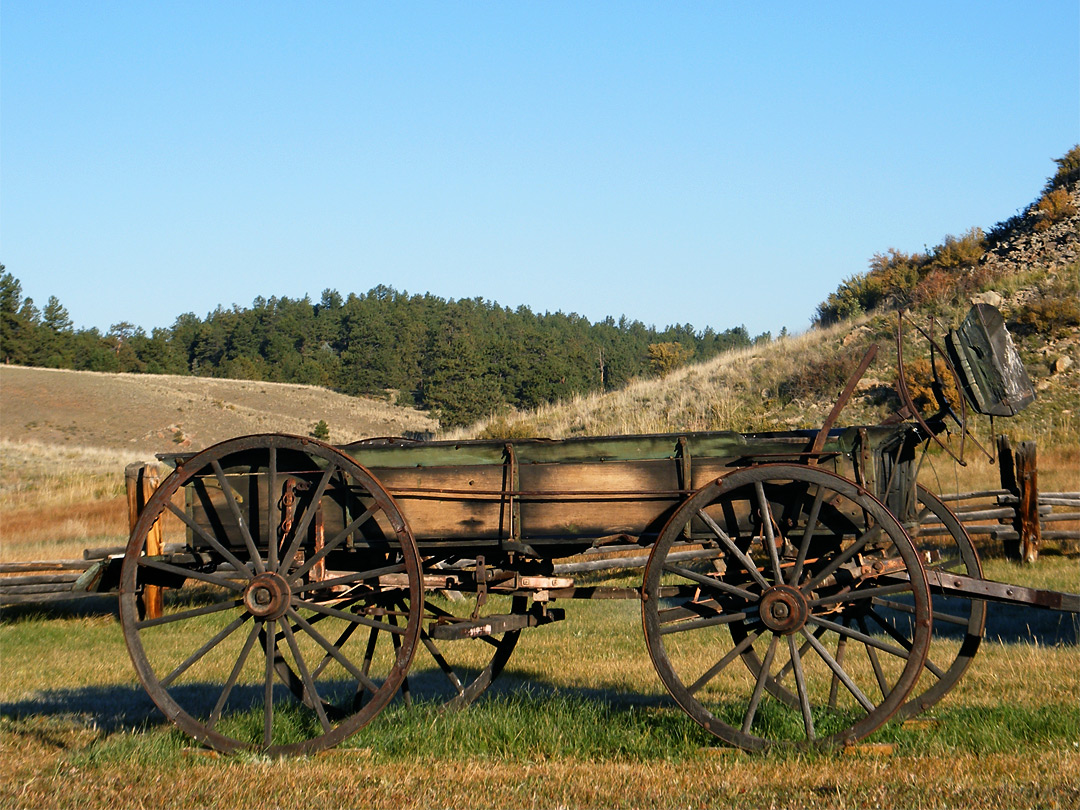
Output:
x=262 y=596
x=780 y=610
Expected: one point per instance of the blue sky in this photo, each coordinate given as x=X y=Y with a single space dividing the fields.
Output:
x=688 y=162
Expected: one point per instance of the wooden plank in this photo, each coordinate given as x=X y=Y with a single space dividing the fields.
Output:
x=44 y=565
x=38 y=598
x=39 y=579
x=967 y=496
x=61 y=587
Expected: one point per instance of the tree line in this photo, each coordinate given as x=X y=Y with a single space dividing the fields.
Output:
x=462 y=359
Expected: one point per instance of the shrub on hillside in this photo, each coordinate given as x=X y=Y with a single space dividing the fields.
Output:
x=1052 y=207
x=1068 y=169
x=666 y=357
x=959 y=251
x=919 y=376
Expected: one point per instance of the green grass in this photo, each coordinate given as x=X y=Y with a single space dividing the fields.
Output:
x=579 y=719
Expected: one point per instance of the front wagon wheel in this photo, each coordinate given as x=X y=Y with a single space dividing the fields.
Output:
x=781 y=600
x=286 y=626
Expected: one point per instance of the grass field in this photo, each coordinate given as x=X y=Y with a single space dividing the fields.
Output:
x=579 y=719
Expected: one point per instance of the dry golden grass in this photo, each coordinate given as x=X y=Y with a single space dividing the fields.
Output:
x=729 y=392
x=151 y=413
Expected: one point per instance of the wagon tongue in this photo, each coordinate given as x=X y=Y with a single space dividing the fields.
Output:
x=948 y=584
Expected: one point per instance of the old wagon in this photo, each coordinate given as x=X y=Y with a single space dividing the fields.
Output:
x=799 y=587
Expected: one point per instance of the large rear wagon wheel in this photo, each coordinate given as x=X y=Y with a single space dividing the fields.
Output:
x=803 y=553
x=958 y=622
x=264 y=654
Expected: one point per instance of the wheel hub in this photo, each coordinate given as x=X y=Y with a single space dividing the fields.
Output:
x=783 y=609
x=267 y=596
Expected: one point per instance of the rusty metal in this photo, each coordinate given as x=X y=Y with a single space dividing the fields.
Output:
x=819 y=440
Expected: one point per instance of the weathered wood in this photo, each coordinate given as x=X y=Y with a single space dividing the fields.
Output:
x=967 y=496
x=1027 y=477
x=1057 y=516
x=141 y=480
x=56 y=587
x=1006 y=465
x=616 y=563
x=995 y=531
x=44 y=565
x=986 y=514
x=1045 y=501
x=1061 y=535
x=39 y=579
x=38 y=598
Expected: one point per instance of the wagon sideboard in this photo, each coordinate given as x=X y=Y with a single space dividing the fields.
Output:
x=545 y=497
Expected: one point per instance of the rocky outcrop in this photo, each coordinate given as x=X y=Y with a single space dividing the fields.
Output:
x=1016 y=245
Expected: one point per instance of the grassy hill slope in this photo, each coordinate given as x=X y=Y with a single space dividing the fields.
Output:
x=1031 y=272
x=158 y=413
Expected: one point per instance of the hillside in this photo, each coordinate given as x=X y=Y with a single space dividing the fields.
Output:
x=150 y=413
x=1027 y=266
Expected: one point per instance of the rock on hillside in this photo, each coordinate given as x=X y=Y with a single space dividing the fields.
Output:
x=1017 y=246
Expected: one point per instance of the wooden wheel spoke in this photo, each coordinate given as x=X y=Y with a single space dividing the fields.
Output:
x=800 y=687
x=334 y=542
x=903 y=607
x=347 y=579
x=190 y=573
x=270 y=644
x=355 y=618
x=834 y=685
x=786 y=669
x=808 y=535
x=841 y=558
x=440 y=659
x=238 y=516
x=842 y=630
x=216 y=639
x=905 y=642
x=183 y=615
x=838 y=670
x=312 y=692
x=875 y=662
x=346 y=634
x=241 y=659
x=767 y=525
x=854 y=595
x=738 y=553
x=710 y=582
x=241 y=568
x=273 y=511
x=332 y=650
x=731 y=655
x=759 y=686
x=300 y=529
x=698 y=624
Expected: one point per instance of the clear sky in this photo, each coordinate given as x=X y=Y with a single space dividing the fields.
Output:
x=713 y=163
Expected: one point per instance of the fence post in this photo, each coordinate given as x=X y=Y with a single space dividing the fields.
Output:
x=140 y=481
x=1027 y=512
x=1007 y=471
